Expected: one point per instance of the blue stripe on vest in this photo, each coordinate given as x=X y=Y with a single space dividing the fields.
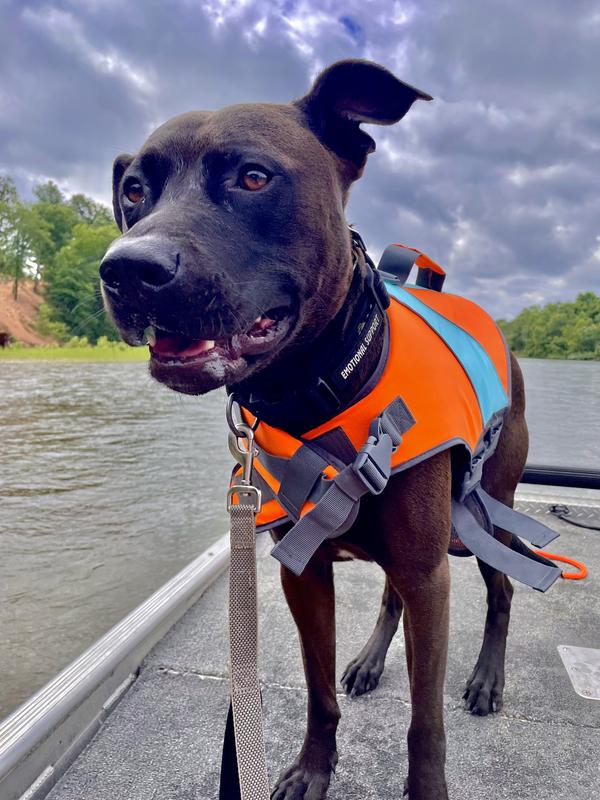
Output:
x=471 y=355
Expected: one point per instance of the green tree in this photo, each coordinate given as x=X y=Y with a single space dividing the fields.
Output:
x=73 y=294
x=49 y=193
x=22 y=235
x=559 y=330
x=90 y=211
x=58 y=218
x=59 y=242
x=8 y=200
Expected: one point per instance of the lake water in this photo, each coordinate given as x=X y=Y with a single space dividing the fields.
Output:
x=109 y=484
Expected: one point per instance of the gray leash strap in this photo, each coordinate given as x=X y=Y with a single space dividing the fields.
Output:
x=243 y=656
x=243 y=623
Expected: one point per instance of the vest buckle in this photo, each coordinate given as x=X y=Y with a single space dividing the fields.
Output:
x=373 y=462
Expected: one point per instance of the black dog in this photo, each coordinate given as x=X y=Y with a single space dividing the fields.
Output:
x=237 y=257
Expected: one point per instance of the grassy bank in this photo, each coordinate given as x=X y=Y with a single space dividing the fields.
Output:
x=77 y=349
x=119 y=351
x=569 y=357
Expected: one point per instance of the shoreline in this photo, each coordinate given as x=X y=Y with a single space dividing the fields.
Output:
x=120 y=352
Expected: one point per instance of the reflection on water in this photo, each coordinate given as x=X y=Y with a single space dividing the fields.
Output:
x=110 y=483
x=563 y=412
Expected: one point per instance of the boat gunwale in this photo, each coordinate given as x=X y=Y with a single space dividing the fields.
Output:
x=28 y=736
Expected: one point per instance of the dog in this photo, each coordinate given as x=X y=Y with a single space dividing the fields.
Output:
x=236 y=263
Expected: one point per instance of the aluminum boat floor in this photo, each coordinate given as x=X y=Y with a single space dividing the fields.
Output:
x=163 y=740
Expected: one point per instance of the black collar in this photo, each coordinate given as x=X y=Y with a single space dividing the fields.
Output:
x=337 y=383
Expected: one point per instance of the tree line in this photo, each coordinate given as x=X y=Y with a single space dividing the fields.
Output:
x=558 y=330
x=58 y=243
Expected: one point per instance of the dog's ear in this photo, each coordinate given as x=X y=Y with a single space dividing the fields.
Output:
x=120 y=164
x=350 y=92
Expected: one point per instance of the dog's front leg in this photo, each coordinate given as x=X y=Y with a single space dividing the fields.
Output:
x=426 y=614
x=310 y=597
x=363 y=673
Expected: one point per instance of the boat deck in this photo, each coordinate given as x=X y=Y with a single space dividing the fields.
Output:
x=163 y=740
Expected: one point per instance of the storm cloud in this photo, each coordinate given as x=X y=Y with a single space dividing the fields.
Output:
x=497 y=179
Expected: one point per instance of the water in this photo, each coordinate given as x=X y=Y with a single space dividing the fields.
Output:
x=563 y=412
x=109 y=484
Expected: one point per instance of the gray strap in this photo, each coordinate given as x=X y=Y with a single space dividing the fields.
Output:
x=243 y=654
x=485 y=449
x=337 y=508
x=336 y=443
x=275 y=464
x=302 y=471
x=331 y=517
x=262 y=485
x=396 y=263
x=396 y=419
x=491 y=551
x=513 y=521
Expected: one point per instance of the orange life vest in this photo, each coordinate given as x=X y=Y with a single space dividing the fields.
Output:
x=445 y=383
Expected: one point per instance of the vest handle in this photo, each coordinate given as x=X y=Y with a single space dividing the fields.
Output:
x=397 y=261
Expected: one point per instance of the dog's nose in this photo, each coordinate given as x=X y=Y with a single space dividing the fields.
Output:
x=138 y=262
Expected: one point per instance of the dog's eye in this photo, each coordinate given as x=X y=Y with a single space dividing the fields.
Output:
x=254 y=178
x=134 y=192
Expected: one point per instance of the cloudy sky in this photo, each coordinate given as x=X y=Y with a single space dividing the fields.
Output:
x=498 y=179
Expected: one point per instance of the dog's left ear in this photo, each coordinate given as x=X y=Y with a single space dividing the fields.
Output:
x=350 y=92
x=120 y=164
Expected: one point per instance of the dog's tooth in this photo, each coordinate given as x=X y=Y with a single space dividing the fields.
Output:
x=235 y=346
x=150 y=336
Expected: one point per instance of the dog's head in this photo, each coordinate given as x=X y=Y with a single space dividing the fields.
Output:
x=235 y=250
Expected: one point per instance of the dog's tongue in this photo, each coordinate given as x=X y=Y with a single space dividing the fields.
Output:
x=182 y=348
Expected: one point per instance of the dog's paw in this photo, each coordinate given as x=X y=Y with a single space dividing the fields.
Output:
x=483 y=692
x=304 y=782
x=362 y=675
x=441 y=792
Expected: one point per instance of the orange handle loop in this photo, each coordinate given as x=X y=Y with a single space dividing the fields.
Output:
x=570 y=576
x=423 y=261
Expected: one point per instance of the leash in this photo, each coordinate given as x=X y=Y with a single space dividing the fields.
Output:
x=563 y=512
x=244 y=765
x=581 y=569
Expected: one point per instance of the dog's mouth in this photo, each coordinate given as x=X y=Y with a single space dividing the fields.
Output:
x=175 y=348
x=195 y=366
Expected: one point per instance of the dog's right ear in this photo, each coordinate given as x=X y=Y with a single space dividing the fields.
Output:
x=350 y=92
x=120 y=164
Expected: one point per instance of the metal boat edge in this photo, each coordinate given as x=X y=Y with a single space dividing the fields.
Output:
x=42 y=737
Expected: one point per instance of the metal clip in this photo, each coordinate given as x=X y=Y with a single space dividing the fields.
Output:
x=244 y=454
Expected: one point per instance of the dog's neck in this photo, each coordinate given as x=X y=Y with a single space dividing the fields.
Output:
x=286 y=395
